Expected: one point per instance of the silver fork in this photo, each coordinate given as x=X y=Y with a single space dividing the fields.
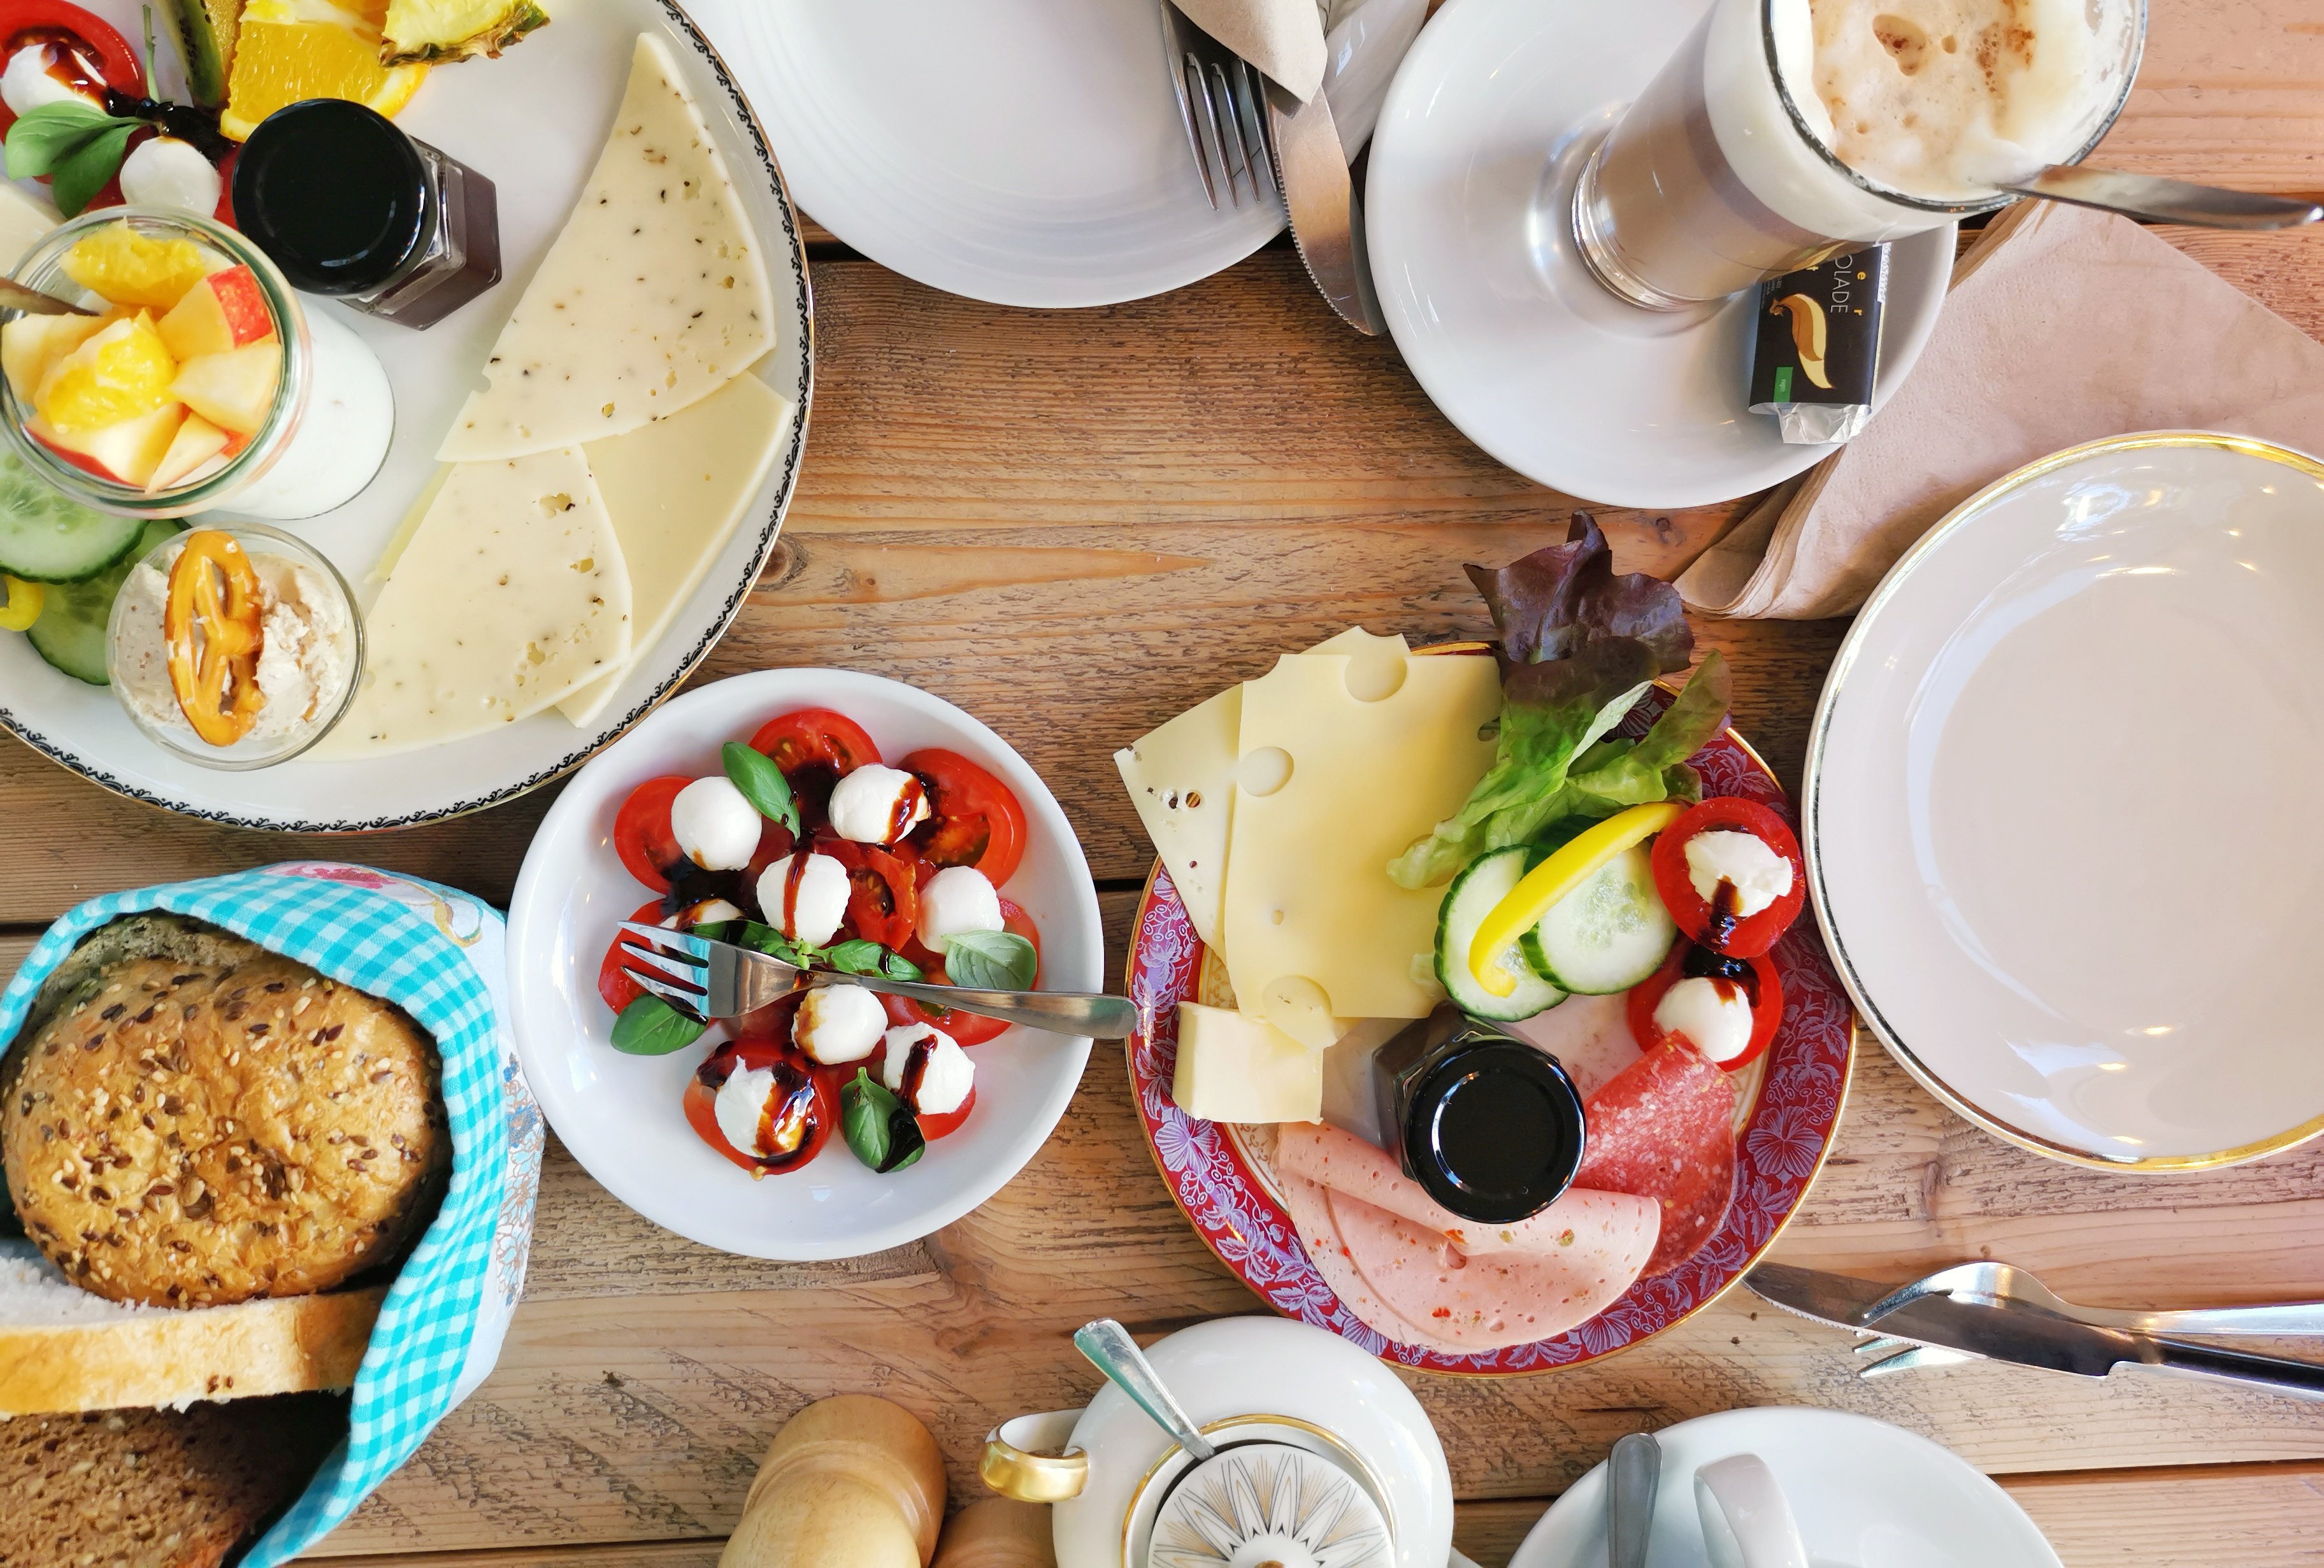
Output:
x=714 y=979
x=1221 y=101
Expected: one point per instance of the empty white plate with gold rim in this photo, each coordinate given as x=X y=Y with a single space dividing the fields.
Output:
x=2057 y=808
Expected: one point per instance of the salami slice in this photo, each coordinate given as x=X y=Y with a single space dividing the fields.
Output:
x=1663 y=1128
x=1309 y=1207
x=1495 y=1300
x=1346 y=1163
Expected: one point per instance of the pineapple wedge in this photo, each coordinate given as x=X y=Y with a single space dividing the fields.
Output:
x=431 y=31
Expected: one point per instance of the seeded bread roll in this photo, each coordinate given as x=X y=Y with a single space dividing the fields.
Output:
x=211 y=1123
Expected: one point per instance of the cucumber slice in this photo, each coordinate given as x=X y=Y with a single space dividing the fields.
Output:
x=47 y=538
x=70 y=633
x=1483 y=883
x=1608 y=934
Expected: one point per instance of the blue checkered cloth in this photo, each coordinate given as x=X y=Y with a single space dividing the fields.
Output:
x=379 y=945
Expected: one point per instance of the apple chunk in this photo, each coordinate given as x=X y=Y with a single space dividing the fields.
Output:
x=30 y=344
x=127 y=450
x=224 y=311
x=234 y=389
x=196 y=443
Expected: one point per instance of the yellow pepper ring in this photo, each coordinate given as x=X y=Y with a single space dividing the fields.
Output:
x=1574 y=863
x=25 y=600
x=214 y=592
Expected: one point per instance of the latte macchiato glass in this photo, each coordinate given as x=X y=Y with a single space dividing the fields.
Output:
x=1784 y=131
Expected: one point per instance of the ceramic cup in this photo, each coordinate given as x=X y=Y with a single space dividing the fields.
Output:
x=1747 y=1520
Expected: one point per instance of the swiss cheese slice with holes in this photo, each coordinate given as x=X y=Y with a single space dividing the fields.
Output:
x=511 y=596
x=1181 y=781
x=1312 y=925
x=676 y=490
x=653 y=296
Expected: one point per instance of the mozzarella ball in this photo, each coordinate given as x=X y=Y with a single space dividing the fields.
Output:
x=26 y=85
x=1714 y=1016
x=864 y=804
x=839 y=1023
x=945 y=1082
x=709 y=911
x=816 y=909
x=1758 y=875
x=164 y=171
x=716 y=825
x=959 y=898
x=740 y=1108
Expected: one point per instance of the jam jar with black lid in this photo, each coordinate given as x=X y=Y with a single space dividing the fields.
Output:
x=347 y=205
x=1489 y=1124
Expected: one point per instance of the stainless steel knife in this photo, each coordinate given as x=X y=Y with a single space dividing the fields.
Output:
x=15 y=296
x=2022 y=1336
x=1326 y=219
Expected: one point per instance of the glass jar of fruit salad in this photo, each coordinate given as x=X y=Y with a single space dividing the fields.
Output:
x=201 y=382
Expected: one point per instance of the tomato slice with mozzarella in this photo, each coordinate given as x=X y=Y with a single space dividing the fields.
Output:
x=967 y=1028
x=642 y=831
x=974 y=819
x=883 y=898
x=801 y=1114
x=1749 y=935
x=935 y=1127
x=615 y=986
x=815 y=748
x=95 y=55
x=1756 y=975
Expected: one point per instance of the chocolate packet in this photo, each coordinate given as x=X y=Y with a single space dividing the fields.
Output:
x=1817 y=351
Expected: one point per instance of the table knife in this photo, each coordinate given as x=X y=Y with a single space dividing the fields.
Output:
x=1326 y=220
x=2023 y=1337
x=15 y=296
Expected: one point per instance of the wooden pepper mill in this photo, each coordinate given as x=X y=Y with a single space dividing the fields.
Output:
x=999 y=1533
x=851 y=1481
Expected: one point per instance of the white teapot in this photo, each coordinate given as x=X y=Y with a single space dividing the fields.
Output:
x=1324 y=1461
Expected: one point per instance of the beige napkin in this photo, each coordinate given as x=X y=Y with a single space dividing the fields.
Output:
x=2063 y=326
x=1283 y=38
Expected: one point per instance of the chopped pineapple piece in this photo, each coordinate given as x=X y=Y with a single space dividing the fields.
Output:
x=128 y=268
x=448 y=29
x=124 y=373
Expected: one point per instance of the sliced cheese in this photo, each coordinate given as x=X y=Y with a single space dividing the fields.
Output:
x=511 y=596
x=653 y=296
x=1234 y=1067
x=1181 y=779
x=676 y=490
x=24 y=219
x=1307 y=892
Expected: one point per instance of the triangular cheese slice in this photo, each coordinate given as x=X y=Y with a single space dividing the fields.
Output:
x=511 y=596
x=676 y=490
x=653 y=296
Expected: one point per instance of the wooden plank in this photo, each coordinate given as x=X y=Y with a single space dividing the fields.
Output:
x=2231 y=91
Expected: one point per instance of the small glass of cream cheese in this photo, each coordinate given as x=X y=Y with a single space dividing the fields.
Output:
x=310 y=651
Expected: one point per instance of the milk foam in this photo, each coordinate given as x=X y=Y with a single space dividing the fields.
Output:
x=1947 y=99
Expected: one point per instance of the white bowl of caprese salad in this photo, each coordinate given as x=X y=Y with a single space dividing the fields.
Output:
x=849 y=821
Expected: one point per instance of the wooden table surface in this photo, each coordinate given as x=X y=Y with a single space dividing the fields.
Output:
x=1075 y=524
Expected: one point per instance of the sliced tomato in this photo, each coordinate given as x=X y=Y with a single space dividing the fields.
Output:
x=93 y=41
x=808 y=1102
x=642 y=833
x=816 y=748
x=775 y=842
x=1755 y=934
x=974 y=820
x=935 y=1127
x=883 y=900
x=616 y=987
x=1764 y=990
x=965 y=1028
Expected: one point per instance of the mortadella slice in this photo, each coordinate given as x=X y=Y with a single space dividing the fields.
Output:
x=1495 y=1300
x=1345 y=1163
x=1665 y=1129
x=1310 y=1209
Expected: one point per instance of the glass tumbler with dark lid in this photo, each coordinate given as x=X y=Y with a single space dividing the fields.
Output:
x=1489 y=1125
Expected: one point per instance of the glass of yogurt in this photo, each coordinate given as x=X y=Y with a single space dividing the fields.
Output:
x=309 y=655
x=1785 y=130
x=203 y=382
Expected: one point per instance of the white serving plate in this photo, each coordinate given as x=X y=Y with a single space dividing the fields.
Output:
x=533 y=122
x=1020 y=152
x=620 y=1114
x=2056 y=803
x=1866 y=1495
x=1483 y=135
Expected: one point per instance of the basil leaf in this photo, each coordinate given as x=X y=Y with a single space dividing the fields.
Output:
x=80 y=175
x=856 y=957
x=897 y=967
x=904 y=1143
x=767 y=939
x=38 y=142
x=991 y=961
x=762 y=784
x=880 y=1127
x=650 y=1026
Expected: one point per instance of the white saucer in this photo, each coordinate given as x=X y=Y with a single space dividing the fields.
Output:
x=2056 y=802
x=1473 y=170
x=1866 y=1494
x=1019 y=152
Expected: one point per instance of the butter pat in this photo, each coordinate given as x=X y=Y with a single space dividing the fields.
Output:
x=1234 y=1067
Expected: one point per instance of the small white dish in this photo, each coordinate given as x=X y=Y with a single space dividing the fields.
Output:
x=620 y=1114
x=2056 y=803
x=1485 y=131
x=1012 y=151
x=1866 y=1494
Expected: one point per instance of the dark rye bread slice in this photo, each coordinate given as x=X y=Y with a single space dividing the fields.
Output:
x=157 y=1488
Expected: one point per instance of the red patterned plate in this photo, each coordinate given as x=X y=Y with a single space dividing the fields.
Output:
x=1217 y=1172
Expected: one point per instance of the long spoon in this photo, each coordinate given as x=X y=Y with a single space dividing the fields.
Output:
x=1633 y=1473
x=2166 y=201
x=1111 y=1349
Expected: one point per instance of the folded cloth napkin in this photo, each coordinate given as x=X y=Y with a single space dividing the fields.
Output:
x=1349 y=48
x=1283 y=38
x=2063 y=326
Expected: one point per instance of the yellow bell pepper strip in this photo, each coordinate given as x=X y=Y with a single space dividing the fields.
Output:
x=1568 y=868
x=23 y=606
